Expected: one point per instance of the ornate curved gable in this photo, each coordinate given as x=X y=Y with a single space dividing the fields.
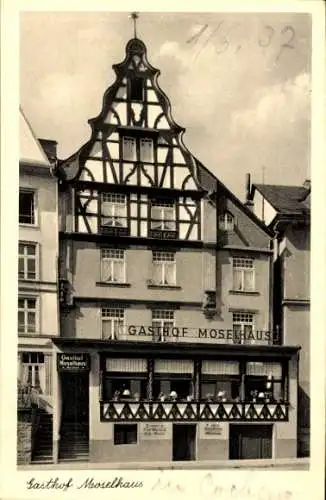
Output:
x=135 y=140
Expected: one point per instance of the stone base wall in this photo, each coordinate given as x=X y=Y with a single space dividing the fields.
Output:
x=24 y=436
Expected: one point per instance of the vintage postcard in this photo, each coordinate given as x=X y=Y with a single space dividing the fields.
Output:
x=166 y=320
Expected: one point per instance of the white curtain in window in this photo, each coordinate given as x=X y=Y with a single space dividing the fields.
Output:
x=220 y=367
x=264 y=369
x=136 y=365
x=182 y=366
x=237 y=279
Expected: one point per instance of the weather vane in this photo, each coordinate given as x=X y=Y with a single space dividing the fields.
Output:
x=134 y=16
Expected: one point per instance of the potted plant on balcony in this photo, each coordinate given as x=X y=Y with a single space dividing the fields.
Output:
x=254 y=395
x=173 y=396
x=209 y=397
x=116 y=395
x=161 y=396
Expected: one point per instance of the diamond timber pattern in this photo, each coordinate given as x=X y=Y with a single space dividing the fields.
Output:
x=195 y=411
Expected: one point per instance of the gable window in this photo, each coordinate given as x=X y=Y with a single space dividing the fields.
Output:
x=226 y=221
x=112 y=323
x=26 y=315
x=113 y=210
x=33 y=369
x=164 y=268
x=163 y=215
x=129 y=150
x=112 y=265
x=136 y=89
x=146 y=150
x=243 y=326
x=243 y=274
x=138 y=149
x=27 y=261
x=26 y=207
x=162 y=322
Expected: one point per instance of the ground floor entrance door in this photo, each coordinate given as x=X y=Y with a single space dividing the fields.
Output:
x=252 y=441
x=184 y=442
x=75 y=399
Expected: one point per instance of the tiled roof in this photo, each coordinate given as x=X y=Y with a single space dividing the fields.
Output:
x=290 y=200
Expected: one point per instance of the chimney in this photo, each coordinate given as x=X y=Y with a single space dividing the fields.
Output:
x=248 y=203
x=50 y=149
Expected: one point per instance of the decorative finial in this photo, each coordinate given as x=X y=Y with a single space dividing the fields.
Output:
x=134 y=16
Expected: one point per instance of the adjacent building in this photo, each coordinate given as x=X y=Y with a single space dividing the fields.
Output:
x=167 y=346
x=286 y=212
x=38 y=319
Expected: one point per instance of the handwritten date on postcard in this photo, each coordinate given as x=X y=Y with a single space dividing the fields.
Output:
x=222 y=38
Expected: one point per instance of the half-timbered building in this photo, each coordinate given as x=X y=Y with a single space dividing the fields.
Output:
x=167 y=350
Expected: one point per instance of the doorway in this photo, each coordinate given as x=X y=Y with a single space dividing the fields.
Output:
x=250 y=441
x=184 y=442
x=75 y=397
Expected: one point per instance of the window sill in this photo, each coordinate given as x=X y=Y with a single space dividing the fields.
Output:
x=108 y=283
x=164 y=287
x=243 y=292
x=31 y=226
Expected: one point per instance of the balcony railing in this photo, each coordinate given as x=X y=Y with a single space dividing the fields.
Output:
x=193 y=411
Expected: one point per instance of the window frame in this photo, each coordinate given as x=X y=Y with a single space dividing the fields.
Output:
x=26 y=311
x=159 y=261
x=162 y=321
x=112 y=260
x=33 y=192
x=138 y=150
x=243 y=270
x=116 y=319
x=26 y=257
x=243 y=324
x=113 y=228
x=123 y=428
x=226 y=221
x=163 y=231
x=35 y=368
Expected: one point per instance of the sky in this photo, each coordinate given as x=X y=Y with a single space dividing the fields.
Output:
x=239 y=83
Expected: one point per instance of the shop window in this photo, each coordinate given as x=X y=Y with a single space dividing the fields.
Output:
x=221 y=388
x=125 y=434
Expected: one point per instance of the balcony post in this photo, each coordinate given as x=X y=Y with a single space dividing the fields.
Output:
x=150 y=376
x=197 y=370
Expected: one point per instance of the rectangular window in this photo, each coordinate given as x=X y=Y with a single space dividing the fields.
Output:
x=27 y=261
x=146 y=150
x=112 y=265
x=264 y=381
x=26 y=207
x=27 y=315
x=162 y=322
x=243 y=325
x=129 y=152
x=173 y=380
x=33 y=372
x=125 y=379
x=125 y=433
x=136 y=89
x=164 y=268
x=163 y=215
x=114 y=210
x=112 y=323
x=243 y=274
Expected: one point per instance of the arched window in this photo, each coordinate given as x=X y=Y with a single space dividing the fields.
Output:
x=226 y=221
